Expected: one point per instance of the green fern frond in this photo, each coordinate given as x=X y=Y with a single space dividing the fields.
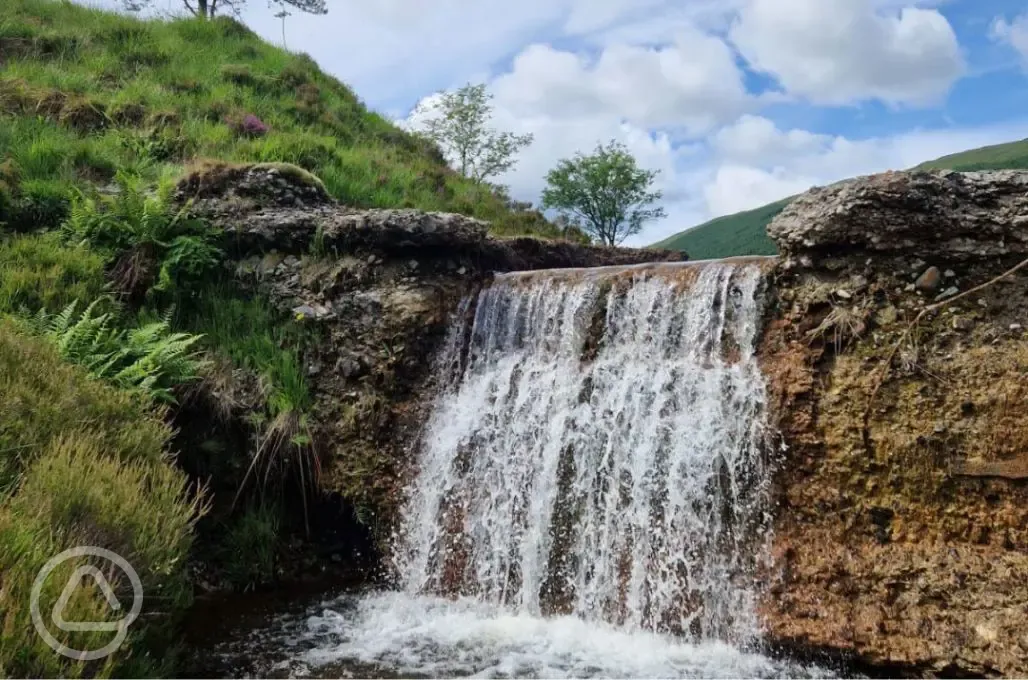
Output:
x=149 y=359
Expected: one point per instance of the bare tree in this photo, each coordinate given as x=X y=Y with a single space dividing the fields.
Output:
x=207 y=9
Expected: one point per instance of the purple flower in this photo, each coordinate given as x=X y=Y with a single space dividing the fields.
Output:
x=250 y=125
x=254 y=126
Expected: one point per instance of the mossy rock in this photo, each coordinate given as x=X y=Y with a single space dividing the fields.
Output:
x=214 y=179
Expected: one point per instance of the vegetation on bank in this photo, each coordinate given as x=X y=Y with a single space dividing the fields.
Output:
x=116 y=310
x=745 y=233
x=85 y=463
x=85 y=94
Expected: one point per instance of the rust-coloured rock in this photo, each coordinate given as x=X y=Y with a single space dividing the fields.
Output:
x=901 y=536
x=930 y=281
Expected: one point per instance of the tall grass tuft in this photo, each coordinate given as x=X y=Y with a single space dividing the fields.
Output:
x=84 y=463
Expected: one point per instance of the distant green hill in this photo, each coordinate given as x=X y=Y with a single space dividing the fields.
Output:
x=738 y=234
x=1012 y=155
x=745 y=233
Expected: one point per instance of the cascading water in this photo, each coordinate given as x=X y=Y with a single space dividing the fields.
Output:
x=591 y=493
x=601 y=455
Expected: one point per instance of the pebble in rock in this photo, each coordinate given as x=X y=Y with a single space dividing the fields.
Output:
x=929 y=281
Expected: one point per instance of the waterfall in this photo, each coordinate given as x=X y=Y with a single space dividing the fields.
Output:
x=590 y=494
x=598 y=451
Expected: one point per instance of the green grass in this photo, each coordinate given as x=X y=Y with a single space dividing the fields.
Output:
x=82 y=463
x=248 y=548
x=42 y=272
x=745 y=233
x=1012 y=155
x=45 y=398
x=85 y=93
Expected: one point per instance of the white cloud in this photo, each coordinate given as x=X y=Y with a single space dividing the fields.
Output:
x=693 y=84
x=755 y=139
x=1013 y=33
x=740 y=187
x=780 y=163
x=646 y=98
x=843 y=51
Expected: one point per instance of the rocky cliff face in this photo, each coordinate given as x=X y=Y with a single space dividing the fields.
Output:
x=901 y=390
x=377 y=289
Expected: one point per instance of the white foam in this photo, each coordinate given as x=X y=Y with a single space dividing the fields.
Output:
x=438 y=637
x=623 y=486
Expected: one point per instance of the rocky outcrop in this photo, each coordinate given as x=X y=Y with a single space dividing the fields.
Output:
x=376 y=289
x=968 y=216
x=901 y=537
x=281 y=208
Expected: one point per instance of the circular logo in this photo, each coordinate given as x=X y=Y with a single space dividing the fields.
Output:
x=57 y=613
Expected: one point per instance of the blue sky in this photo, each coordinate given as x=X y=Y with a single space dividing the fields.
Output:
x=735 y=102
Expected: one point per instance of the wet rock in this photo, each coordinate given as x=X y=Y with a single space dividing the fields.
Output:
x=929 y=281
x=922 y=420
x=305 y=312
x=350 y=366
x=269 y=263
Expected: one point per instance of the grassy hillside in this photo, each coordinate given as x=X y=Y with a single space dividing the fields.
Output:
x=745 y=233
x=84 y=93
x=739 y=234
x=115 y=311
x=1013 y=155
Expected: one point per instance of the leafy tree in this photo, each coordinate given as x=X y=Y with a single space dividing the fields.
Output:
x=605 y=193
x=458 y=122
x=207 y=9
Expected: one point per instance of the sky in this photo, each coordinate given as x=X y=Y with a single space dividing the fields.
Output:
x=735 y=102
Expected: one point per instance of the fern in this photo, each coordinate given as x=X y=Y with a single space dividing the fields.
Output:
x=148 y=359
x=134 y=222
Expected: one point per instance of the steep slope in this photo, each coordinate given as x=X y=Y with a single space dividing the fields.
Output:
x=742 y=233
x=745 y=233
x=86 y=93
x=1012 y=156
